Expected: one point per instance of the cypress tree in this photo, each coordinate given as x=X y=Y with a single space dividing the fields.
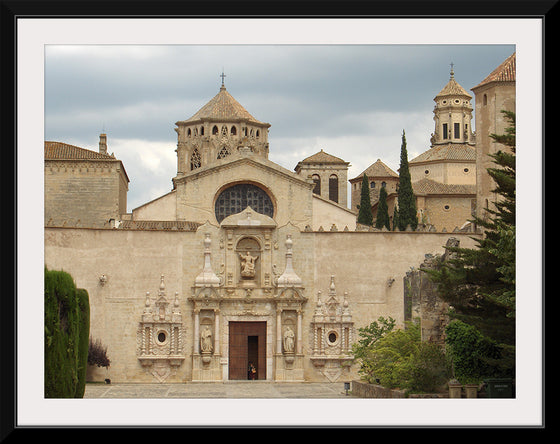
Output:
x=66 y=329
x=382 y=211
x=406 y=199
x=365 y=214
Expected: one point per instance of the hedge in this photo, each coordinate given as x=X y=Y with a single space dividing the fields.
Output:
x=66 y=336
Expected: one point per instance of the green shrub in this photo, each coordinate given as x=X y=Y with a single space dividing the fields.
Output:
x=473 y=355
x=83 y=344
x=399 y=359
x=64 y=318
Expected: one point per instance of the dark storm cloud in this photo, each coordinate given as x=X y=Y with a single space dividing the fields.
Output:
x=352 y=100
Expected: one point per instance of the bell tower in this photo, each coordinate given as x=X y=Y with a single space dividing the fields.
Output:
x=452 y=115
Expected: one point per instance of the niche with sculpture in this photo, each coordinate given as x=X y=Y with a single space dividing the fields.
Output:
x=248 y=253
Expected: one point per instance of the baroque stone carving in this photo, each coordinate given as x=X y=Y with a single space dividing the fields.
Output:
x=160 y=335
x=332 y=334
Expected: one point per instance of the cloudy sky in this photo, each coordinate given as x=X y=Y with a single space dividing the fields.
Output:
x=353 y=101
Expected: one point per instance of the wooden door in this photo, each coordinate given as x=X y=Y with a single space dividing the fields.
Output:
x=247 y=341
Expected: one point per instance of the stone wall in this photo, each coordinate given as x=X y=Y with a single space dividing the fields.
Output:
x=83 y=193
x=118 y=266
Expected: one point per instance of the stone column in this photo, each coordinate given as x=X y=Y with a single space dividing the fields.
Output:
x=217 y=332
x=299 y=344
x=279 y=331
x=196 y=332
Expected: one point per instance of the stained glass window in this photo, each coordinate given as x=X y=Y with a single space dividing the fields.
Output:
x=238 y=197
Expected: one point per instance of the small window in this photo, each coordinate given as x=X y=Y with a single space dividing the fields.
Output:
x=457 y=130
x=446 y=207
x=214 y=130
x=484 y=99
x=161 y=337
x=372 y=185
x=465 y=170
x=189 y=132
x=202 y=131
x=233 y=131
x=445 y=131
x=427 y=172
x=317 y=182
x=333 y=188
x=383 y=184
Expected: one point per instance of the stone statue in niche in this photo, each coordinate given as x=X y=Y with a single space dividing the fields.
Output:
x=248 y=265
x=289 y=340
x=206 y=340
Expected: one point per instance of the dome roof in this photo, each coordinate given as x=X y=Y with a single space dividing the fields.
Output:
x=223 y=107
x=453 y=88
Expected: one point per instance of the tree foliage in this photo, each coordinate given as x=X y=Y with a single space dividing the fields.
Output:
x=365 y=214
x=406 y=199
x=474 y=355
x=399 y=359
x=382 y=219
x=479 y=283
x=66 y=336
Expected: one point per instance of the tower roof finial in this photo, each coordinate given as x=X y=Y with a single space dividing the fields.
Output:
x=452 y=73
x=222 y=75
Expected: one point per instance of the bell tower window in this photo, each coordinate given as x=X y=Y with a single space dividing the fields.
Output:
x=317 y=182
x=333 y=188
x=445 y=131
x=457 y=130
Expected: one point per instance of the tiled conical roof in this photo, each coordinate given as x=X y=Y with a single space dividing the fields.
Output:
x=503 y=73
x=451 y=151
x=322 y=157
x=453 y=89
x=428 y=186
x=377 y=169
x=223 y=107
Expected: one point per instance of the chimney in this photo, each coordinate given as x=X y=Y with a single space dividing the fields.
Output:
x=103 y=143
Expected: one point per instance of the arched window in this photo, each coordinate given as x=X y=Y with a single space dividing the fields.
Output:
x=224 y=130
x=195 y=160
x=214 y=130
x=236 y=198
x=189 y=132
x=233 y=131
x=224 y=152
x=333 y=188
x=484 y=99
x=383 y=184
x=372 y=185
x=317 y=182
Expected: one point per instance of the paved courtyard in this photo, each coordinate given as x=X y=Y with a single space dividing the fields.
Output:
x=217 y=390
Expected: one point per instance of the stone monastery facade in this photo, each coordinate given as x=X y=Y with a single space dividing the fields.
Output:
x=245 y=263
